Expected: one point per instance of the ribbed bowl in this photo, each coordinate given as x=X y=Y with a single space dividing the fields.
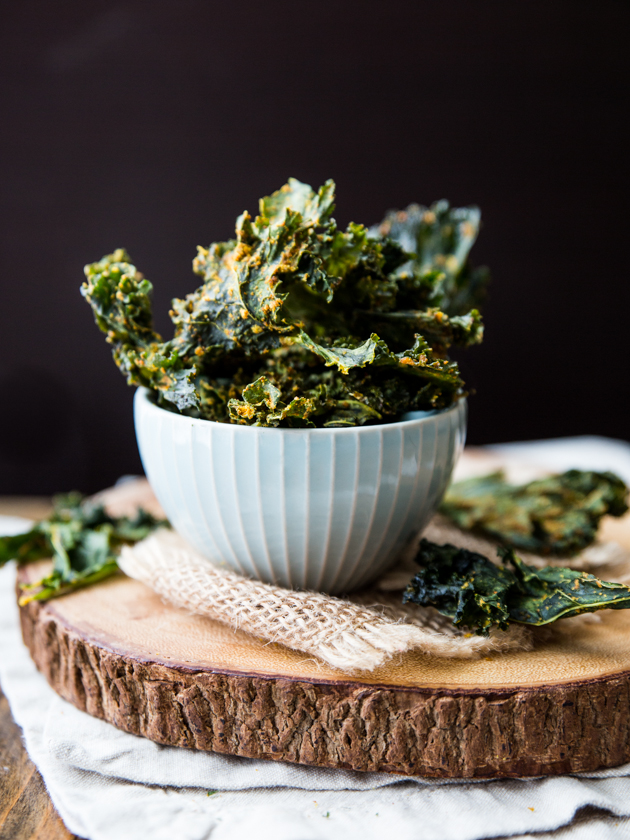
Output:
x=323 y=509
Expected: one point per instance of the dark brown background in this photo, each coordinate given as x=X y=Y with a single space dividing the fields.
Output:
x=152 y=123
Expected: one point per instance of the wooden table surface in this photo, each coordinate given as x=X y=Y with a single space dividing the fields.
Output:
x=26 y=812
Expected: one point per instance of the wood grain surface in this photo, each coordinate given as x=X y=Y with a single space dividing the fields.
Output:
x=118 y=652
x=26 y=812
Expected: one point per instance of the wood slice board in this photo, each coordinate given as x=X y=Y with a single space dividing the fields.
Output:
x=119 y=653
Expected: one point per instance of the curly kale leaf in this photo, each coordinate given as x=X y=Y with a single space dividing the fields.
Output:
x=439 y=330
x=240 y=306
x=273 y=259
x=463 y=585
x=365 y=265
x=83 y=541
x=314 y=208
x=329 y=402
x=439 y=238
x=478 y=594
x=418 y=360
x=120 y=298
x=262 y=405
x=214 y=319
x=370 y=383
x=558 y=515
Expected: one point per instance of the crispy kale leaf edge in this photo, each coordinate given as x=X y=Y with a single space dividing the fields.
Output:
x=476 y=593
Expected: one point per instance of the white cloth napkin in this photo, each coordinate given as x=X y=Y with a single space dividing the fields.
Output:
x=109 y=785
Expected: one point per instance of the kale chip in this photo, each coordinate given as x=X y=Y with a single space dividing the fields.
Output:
x=479 y=594
x=83 y=540
x=557 y=516
x=300 y=323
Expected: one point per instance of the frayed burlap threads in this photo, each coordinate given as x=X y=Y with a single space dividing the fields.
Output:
x=357 y=634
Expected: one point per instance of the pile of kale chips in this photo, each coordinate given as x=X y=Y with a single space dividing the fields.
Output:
x=299 y=323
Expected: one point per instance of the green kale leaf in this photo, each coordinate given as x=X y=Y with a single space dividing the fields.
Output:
x=83 y=540
x=479 y=594
x=120 y=298
x=557 y=516
x=438 y=240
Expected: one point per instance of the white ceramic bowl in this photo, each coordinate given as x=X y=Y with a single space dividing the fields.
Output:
x=324 y=509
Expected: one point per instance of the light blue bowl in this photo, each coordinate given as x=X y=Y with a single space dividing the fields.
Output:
x=323 y=509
